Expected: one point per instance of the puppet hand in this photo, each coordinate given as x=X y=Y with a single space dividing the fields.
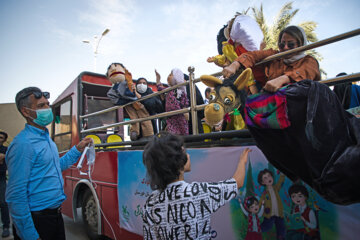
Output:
x=210 y=59
x=276 y=83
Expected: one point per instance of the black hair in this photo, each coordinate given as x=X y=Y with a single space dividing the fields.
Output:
x=115 y=65
x=186 y=77
x=262 y=173
x=343 y=91
x=5 y=134
x=220 y=38
x=207 y=90
x=22 y=98
x=137 y=81
x=341 y=74
x=250 y=201
x=164 y=157
x=295 y=32
x=296 y=188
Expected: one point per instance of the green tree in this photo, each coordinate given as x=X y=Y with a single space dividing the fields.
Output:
x=283 y=19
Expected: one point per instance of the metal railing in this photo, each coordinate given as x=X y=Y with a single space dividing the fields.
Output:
x=194 y=108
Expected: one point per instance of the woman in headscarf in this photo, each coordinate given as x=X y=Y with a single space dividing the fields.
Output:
x=291 y=68
x=153 y=105
x=175 y=100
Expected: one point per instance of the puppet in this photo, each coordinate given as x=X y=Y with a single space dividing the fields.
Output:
x=122 y=92
x=303 y=130
x=225 y=100
x=242 y=34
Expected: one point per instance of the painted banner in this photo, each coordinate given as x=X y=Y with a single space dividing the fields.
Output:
x=268 y=206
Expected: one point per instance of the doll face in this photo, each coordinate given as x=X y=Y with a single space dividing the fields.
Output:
x=298 y=198
x=267 y=179
x=116 y=73
x=254 y=208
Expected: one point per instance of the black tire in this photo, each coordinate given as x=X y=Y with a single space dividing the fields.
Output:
x=89 y=211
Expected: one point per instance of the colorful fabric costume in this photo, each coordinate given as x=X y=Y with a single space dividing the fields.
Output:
x=304 y=68
x=321 y=146
x=120 y=94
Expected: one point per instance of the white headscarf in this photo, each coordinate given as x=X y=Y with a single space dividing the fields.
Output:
x=299 y=55
x=178 y=77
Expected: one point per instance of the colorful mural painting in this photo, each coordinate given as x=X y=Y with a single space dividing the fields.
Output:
x=268 y=206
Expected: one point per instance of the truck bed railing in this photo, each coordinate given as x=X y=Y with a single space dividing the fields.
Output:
x=192 y=81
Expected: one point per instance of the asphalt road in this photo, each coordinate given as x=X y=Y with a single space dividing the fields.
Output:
x=73 y=230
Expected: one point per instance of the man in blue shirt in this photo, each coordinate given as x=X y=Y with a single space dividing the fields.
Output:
x=35 y=186
x=5 y=218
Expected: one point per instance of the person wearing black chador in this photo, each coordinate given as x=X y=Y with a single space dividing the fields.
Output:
x=153 y=105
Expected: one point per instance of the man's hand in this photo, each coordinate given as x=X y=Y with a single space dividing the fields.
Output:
x=231 y=69
x=276 y=83
x=83 y=143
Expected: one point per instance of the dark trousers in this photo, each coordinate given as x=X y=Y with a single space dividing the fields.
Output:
x=268 y=223
x=49 y=224
x=5 y=218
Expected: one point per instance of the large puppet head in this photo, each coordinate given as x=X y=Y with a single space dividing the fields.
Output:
x=116 y=73
x=227 y=96
x=244 y=30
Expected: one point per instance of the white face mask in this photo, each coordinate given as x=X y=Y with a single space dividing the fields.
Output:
x=141 y=88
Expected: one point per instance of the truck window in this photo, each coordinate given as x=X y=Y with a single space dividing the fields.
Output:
x=95 y=104
x=62 y=126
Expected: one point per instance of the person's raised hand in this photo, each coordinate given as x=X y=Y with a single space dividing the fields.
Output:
x=244 y=156
x=158 y=77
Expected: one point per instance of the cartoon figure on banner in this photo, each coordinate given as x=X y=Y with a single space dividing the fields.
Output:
x=274 y=211
x=251 y=209
x=302 y=219
x=123 y=92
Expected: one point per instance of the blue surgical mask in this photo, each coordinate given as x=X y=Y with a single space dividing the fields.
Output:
x=44 y=116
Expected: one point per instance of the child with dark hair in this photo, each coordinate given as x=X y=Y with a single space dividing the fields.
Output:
x=303 y=224
x=273 y=212
x=253 y=212
x=177 y=209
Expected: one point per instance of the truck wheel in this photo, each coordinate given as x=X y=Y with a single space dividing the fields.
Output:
x=89 y=211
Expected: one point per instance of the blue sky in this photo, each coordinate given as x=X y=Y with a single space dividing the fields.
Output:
x=41 y=43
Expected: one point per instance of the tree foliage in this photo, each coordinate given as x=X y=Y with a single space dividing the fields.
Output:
x=283 y=19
